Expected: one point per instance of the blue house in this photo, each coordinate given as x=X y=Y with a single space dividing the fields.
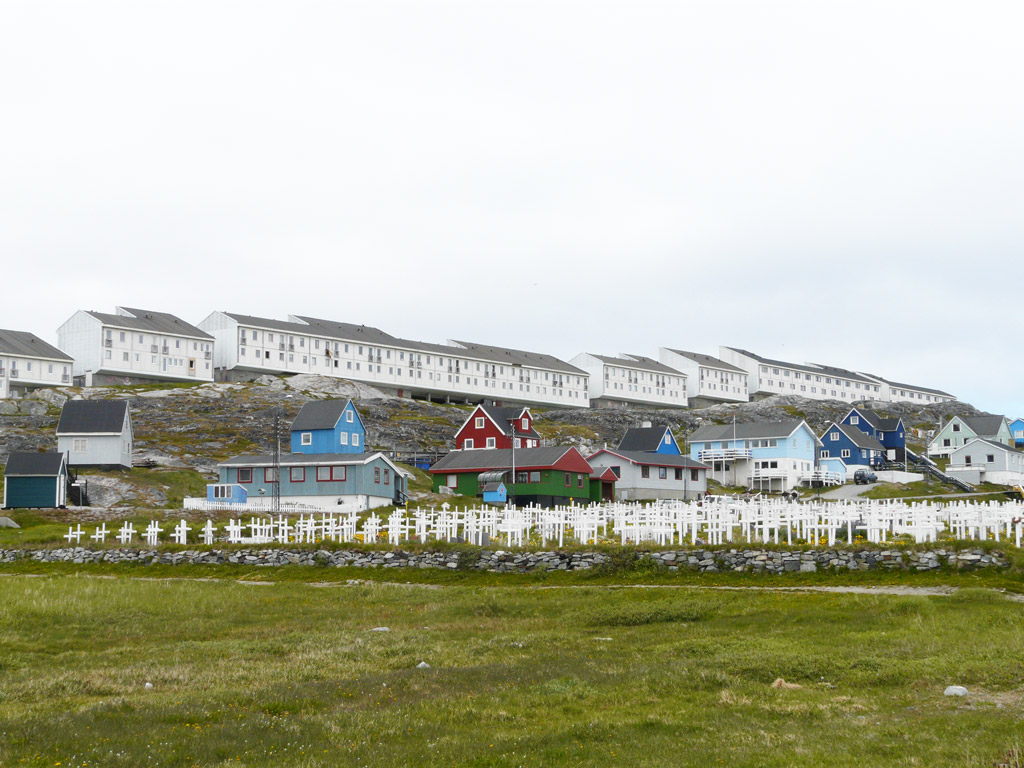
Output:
x=849 y=444
x=328 y=426
x=890 y=432
x=1017 y=431
x=495 y=493
x=330 y=481
x=765 y=456
x=648 y=439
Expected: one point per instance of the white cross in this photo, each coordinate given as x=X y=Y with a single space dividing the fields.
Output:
x=284 y=529
x=208 y=533
x=180 y=534
x=101 y=533
x=74 y=534
x=126 y=534
x=234 y=531
x=153 y=533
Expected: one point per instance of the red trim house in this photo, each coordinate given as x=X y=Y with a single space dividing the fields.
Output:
x=492 y=426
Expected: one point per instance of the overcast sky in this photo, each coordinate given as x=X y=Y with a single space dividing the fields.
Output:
x=834 y=182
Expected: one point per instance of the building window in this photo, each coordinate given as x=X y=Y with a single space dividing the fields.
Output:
x=343 y=438
x=663 y=473
x=568 y=479
x=468 y=444
x=387 y=476
x=323 y=474
x=645 y=472
x=355 y=439
x=307 y=438
x=297 y=474
x=579 y=481
x=990 y=458
x=80 y=445
x=844 y=454
x=376 y=474
x=270 y=475
x=245 y=475
x=452 y=481
x=834 y=437
x=490 y=442
x=956 y=427
x=339 y=474
x=535 y=477
x=479 y=422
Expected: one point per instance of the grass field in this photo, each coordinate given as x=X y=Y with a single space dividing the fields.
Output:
x=290 y=674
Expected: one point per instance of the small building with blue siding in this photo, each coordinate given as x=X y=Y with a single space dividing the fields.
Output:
x=890 y=432
x=1017 y=432
x=36 y=481
x=656 y=439
x=328 y=426
x=855 y=448
x=337 y=481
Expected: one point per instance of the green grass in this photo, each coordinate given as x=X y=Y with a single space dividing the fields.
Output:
x=289 y=674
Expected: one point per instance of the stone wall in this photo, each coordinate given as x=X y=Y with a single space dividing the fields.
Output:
x=707 y=561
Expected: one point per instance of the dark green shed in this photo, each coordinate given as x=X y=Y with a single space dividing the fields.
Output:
x=35 y=481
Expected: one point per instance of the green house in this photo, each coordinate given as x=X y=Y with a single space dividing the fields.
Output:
x=544 y=476
x=36 y=481
x=960 y=430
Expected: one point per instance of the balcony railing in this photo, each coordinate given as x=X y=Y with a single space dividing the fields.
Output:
x=724 y=454
x=166 y=351
x=823 y=476
x=2 y=370
x=14 y=373
x=242 y=342
x=153 y=348
x=108 y=342
x=207 y=355
x=768 y=474
x=65 y=378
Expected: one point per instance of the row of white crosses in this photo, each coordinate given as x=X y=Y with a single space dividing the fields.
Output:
x=715 y=521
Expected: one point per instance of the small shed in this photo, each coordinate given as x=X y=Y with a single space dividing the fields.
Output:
x=96 y=433
x=493 y=487
x=602 y=485
x=36 y=481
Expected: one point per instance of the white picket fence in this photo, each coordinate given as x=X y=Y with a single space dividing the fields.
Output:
x=715 y=520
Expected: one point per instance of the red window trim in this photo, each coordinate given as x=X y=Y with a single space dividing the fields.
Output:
x=376 y=474
x=387 y=476
x=344 y=474
x=568 y=479
x=291 y=474
x=238 y=476
x=266 y=474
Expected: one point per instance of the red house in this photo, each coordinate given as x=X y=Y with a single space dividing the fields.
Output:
x=491 y=426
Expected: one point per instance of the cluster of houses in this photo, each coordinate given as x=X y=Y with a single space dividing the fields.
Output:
x=499 y=457
x=136 y=345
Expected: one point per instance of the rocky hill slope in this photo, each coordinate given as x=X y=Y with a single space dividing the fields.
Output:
x=195 y=426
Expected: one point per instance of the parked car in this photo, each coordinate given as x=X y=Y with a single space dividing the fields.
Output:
x=864 y=477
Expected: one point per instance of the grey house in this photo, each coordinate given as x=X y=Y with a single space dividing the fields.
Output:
x=648 y=475
x=96 y=433
x=987 y=461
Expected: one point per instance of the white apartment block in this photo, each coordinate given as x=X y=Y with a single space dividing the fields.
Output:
x=247 y=345
x=629 y=380
x=708 y=379
x=135 y=345
x=27 y=362
x=893 y=392
x=767 y=377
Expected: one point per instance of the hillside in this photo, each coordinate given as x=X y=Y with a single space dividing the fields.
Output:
x=189 y=428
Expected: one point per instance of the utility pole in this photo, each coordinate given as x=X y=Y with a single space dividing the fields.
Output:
x=277 y=462
x=512 y=484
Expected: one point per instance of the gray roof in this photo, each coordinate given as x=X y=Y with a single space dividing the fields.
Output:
x=92 y=417
x=984 y=426
x=653 y=459
x=858 y=438
x=34 y=464
x=348 y=331
x=639 y=362
x=503 y=416
x=150 y=322
x=707 y=360
x=27 y=344
x=918 y=388
x=653 y=365
x=518 y=357
x=320 y=414
x=642 y=438
x=270 y=324
x=992 y=443
x=820 y=370
x=747 y=430
x=881 y=423
x=500 y=458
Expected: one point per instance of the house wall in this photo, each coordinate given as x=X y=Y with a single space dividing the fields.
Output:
x=794 y=457
x=35 y=492
x=101 y=451
x=479 y=435
x=132 y=353
x=710 y=384
x=360 y=480
x=20 y=374
x=835 y=447
x=632 y=485
x=1006 y=467
x=552 y=483
x=458 y=373
x=225 y=336
x=624 y=382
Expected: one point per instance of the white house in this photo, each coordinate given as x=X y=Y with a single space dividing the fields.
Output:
x=460 y=371
x=27 y=362
x=619 y=382
x=766 y=377
x=708 y=380
x=647 y=475
x=96 y=433
x=135 y=345
x=986 y=461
